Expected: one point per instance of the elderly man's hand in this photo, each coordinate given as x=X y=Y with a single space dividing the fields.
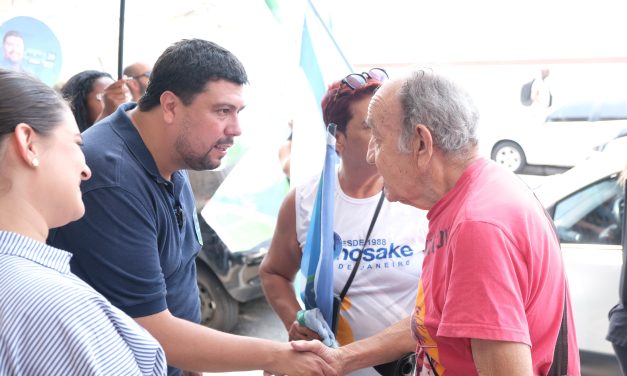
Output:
x=300 y=363
x=333 y=357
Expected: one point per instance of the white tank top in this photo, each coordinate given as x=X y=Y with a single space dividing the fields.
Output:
x=384 y=288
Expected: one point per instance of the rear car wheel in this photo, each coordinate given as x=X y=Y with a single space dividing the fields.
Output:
x=218 y=310
x=510 y=155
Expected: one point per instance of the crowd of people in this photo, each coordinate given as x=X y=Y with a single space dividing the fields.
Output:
x=100 y=235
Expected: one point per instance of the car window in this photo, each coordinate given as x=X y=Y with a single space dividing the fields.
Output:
x=572 y=112
x=592 y=215
x=615 y=110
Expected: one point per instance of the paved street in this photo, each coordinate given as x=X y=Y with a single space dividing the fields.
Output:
x=257 y=319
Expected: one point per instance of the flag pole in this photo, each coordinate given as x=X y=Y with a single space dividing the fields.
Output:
x=121 y=38
x=326 y=29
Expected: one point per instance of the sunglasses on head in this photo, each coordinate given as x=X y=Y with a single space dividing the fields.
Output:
x=357 y=80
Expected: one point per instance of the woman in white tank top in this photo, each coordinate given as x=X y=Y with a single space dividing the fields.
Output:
x=384 y=287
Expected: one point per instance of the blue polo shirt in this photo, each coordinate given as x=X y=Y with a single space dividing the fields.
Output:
x=138 y=240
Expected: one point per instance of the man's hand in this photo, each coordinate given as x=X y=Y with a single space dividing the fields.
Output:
x=301 y=362
x=299 y=332
x=333 y=357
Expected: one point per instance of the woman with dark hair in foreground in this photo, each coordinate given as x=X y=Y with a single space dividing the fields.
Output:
x=51 y=322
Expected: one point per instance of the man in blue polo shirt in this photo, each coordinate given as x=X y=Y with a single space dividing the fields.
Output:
x=139 y=237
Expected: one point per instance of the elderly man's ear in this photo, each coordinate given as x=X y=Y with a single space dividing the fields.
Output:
x=423 y=143
x=370 y=152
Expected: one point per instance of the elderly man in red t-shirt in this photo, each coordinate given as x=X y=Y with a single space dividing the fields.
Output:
x=493 y=291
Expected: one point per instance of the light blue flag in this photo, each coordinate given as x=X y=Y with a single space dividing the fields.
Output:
x=322 y=61
x=318 y=61
x=322 y=245
x=321 y=58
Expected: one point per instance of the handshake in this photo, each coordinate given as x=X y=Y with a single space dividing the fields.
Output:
x=314 y=357
x=307 y=355
x=307 y=358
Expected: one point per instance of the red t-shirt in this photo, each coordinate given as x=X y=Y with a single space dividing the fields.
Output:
x=492 y=270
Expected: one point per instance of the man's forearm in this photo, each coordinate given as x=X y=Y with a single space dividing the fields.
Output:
x=383 y=347
x=197 y=348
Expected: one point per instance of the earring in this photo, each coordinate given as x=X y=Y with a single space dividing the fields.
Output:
x=35 y=162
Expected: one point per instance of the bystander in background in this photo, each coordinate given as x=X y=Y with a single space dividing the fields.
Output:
x=94 y=95
x=541 y=95
x=138 y=75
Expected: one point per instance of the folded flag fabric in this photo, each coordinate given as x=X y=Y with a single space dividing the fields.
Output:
x=312 y=318
x=322 y=244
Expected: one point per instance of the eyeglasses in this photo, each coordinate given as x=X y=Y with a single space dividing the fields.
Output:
x=147 y=75
x=357 y=80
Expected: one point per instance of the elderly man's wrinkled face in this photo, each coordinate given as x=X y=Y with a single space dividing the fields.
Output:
x=385 y=117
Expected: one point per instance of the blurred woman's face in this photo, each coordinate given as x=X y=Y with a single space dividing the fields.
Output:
x=61 y=170
x=354 y=143
x=95 y=98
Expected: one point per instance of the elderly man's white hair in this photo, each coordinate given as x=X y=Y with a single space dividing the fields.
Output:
x=442 y=106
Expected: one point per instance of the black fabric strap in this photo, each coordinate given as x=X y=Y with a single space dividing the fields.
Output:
x=372 y=222
x=559 y=367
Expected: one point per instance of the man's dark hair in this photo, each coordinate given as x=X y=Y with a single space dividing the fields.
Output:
x=186 y=67
x=12 y=33
x=76 y=91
